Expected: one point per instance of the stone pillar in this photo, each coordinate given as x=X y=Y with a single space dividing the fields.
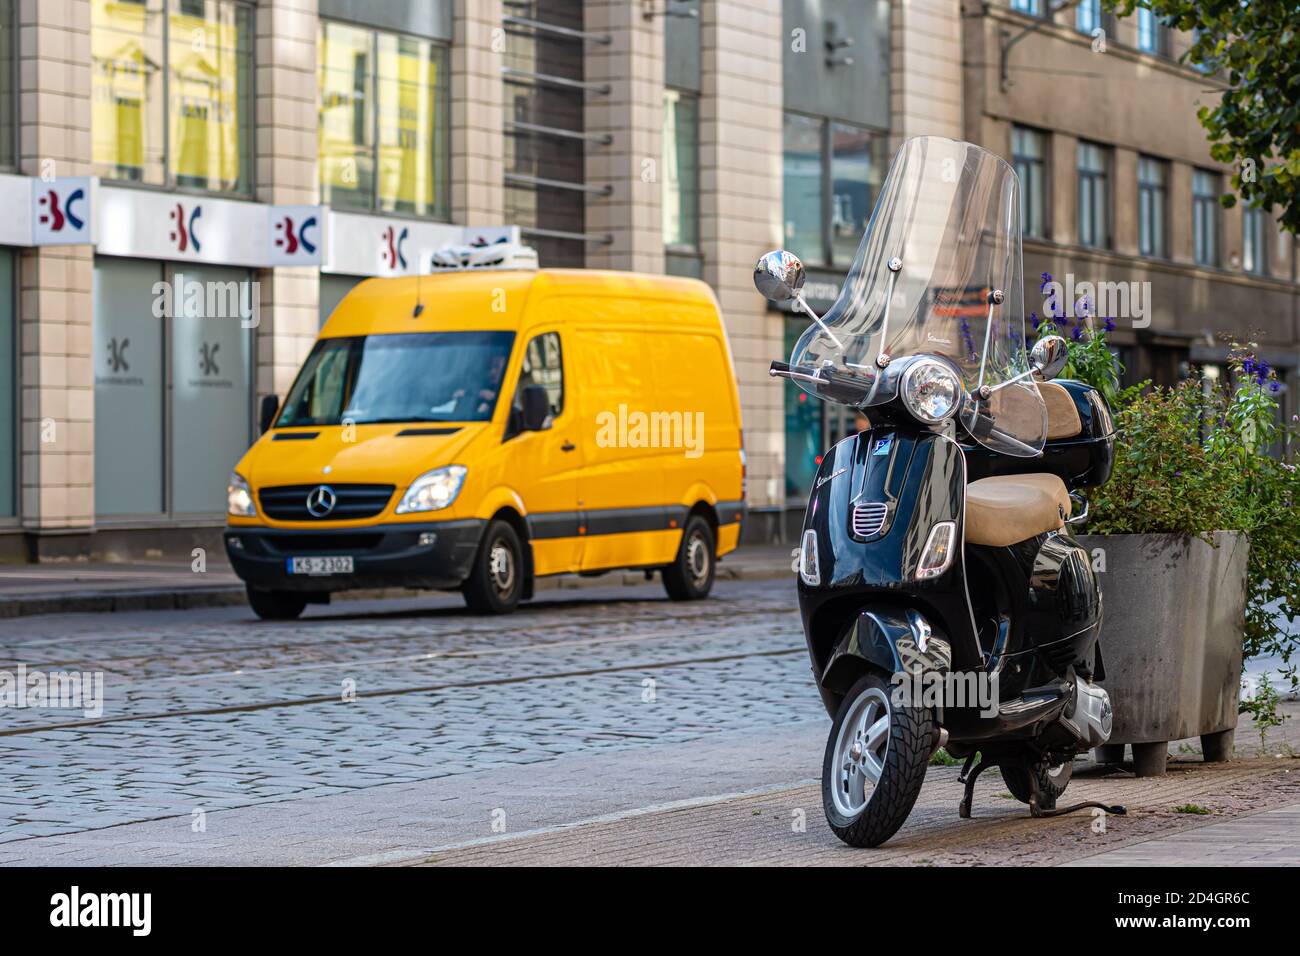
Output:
x=633 y=116
x=287 y=114
x=477 y=160
x=1182 y=248
x=1063 y=179
x=740 y=214
x=57 y=436
x=1124 y=201
x=925 y=69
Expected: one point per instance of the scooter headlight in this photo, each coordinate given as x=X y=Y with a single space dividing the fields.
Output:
x=931 y=391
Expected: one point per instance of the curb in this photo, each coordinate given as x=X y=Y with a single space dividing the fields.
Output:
x=222 y=595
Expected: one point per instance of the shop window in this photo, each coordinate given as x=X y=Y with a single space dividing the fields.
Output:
x=832 y=174
x=171 y=92
x=383 y=121
x=173 y=395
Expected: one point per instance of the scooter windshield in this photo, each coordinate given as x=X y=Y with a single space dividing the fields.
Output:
x=938 y=271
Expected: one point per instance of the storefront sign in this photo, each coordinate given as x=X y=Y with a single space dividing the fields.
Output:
x=40 y=212
x=362 y=245
x=179 y=228
x=62 y=211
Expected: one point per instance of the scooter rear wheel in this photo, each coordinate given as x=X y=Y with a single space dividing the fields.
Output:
x=1052 y=781
x=875 y=763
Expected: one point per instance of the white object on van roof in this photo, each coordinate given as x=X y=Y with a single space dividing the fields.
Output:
x=496 y=255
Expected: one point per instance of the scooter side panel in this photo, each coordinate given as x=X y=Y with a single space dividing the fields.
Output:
x=919 y=478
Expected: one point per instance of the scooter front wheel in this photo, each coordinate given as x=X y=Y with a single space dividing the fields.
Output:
x=875 y=763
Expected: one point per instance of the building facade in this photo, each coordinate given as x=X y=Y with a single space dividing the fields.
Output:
x=276 y=152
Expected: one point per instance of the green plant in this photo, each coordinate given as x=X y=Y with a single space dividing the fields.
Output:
x=1194 y=808
x=1195 y=458
x=1262 y=707
x=1090 y=359
x=941 y=758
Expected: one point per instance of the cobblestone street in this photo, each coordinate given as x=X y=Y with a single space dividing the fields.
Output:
x=388 y=732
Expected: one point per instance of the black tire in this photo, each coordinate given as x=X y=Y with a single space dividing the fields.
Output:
x=910 y=742
x=1052 y=781
x=690 y=576
x=275 y=605
x=490 y=590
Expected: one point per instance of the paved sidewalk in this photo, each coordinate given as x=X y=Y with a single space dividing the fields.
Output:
x=72 y=587
x=1270 y=838
x=1196 y=813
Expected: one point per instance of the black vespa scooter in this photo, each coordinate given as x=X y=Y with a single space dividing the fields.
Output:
x=944 y=601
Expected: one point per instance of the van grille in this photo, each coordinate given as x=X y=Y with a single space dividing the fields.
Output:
x=289 y=502
x=868 y=518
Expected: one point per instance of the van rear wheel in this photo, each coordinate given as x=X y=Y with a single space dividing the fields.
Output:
x=690 y=576
x=275 y=605
x=496 y=579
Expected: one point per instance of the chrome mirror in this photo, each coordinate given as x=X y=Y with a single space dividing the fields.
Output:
x=1048 y=356
x=779 y=276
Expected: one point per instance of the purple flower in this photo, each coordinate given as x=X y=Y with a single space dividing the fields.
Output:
x=1077 y=334
x=1110 y=325
x=1033 y=317
x=1274 y=386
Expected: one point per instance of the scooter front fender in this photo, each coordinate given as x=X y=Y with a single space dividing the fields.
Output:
x=892 y=641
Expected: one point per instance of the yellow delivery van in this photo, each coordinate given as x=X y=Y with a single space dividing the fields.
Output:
x=477 y=430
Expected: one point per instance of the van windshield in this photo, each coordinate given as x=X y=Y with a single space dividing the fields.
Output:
x=407 y=377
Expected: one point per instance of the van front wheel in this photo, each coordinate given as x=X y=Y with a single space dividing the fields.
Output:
x=690 y=576
x=275 y=605
x=496 y=580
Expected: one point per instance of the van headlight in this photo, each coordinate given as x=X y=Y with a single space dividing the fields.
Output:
x=433 y=490
x=239 y=497
x=931 y=391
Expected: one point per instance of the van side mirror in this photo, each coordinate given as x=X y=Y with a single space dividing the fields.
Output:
x=266 y=414
x=535 y=407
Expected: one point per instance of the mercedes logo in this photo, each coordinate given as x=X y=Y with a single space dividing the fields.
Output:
x=320 y=501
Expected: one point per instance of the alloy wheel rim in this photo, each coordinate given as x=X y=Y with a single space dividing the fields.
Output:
x=858 y=759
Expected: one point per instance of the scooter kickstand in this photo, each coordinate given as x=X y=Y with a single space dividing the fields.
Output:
x=1038 y=812
x=968 y=777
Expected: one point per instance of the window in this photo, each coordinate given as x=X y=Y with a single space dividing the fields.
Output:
x=173 y=398
x=1028 y=153
x=1032 y=7
x=543 y=365
x=1153 y=178
x=8 y=92
x=1152 y=36
x=369 y=379
x=172 y=92
x=8 y=389
x=855 y=180
x=1254 y=247
x=1087 y=16
x=1205 y=217
x=832 y=173
x=802 y=181
x=383 y=122
x=681 y=176
x=1094 y=196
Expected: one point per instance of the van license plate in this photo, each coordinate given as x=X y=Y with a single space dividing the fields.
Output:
x=332 y=565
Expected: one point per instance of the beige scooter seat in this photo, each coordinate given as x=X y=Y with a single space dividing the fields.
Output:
x=1007 y=509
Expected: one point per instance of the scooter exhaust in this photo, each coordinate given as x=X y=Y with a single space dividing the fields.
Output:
x=1091 y=718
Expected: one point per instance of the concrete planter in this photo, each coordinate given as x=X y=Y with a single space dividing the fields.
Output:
x=1171 y=641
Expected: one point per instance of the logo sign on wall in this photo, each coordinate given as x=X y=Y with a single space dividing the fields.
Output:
x=61 y=211
x=297 y=236
x=363 y=245
x=40 y=212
